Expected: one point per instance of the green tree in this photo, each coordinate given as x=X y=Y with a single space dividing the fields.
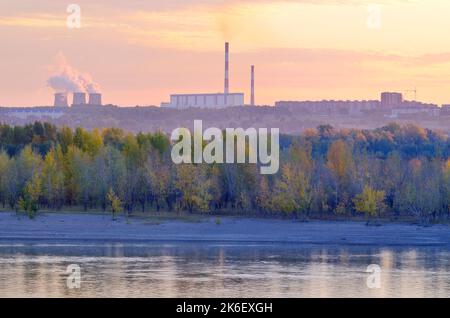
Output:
x=421 y=193
x=31 y=194
x=5 y=163
x=53 y=178
x=446 y=196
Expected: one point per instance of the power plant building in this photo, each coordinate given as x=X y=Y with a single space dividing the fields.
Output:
x=218 y=100
x=60 y=100
x=79 y=99
x=95 y=99
x=215 y=100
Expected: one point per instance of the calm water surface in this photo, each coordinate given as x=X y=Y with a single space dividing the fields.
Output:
x=221 y=270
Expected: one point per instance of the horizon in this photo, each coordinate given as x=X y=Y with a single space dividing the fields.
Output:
x=140 y=53
x=225 y=156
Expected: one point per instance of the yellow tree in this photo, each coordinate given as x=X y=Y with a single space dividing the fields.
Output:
x=90 y=142
x=370 y=202
x=283 y=198
x=341 y=164
x=292 y=193
x=94 y=142
x=115 y=203
x=339 y=159
x=193 y=186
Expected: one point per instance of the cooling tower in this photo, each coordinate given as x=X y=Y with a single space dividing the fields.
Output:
x=79 y=98
x=60 y=100
x=95 y=99
x=252 y=86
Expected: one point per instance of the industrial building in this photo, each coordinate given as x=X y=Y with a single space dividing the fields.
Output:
x=208 y=100
x=79 y=99
x=60 y=100
x=218 y=100
x=95 y=99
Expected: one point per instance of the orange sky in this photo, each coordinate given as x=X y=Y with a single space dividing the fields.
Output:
x=141 y=51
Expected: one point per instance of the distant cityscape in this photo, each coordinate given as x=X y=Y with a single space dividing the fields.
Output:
x=391 y=105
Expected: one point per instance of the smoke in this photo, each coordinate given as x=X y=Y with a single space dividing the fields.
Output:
x=67 y=79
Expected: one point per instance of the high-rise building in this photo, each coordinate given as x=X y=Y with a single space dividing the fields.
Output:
x=391 y=100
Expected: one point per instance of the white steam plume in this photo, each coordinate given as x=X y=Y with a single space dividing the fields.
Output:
x=69 y=80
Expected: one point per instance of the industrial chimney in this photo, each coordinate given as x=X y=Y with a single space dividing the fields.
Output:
x=60 y=100
x=252 y=86
x=79 y=98
x=95 y=99
x=227 y=86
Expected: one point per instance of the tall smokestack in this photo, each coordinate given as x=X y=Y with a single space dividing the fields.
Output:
x=252 y=86
x=227 y=87
x=60 y=100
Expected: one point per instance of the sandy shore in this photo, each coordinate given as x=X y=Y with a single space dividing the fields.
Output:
x=86 y=227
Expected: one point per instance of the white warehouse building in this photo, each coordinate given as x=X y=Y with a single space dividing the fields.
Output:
x=218 y=100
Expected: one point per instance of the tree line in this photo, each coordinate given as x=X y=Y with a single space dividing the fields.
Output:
x=394 y=171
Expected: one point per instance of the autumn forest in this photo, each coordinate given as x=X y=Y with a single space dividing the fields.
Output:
x=394 y=172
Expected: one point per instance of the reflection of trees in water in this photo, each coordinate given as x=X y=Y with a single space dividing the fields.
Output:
x=222 y=270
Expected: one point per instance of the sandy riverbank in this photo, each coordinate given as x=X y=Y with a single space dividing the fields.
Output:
x=87 y=227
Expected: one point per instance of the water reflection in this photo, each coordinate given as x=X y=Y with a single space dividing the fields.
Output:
x=220 y=270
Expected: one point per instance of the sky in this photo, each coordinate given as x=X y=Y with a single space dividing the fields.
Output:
x=138 y=52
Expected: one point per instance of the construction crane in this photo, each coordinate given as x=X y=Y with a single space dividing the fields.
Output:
x=412 y=91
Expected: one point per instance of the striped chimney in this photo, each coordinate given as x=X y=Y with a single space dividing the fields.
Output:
x=252 y=86
x=227 y=86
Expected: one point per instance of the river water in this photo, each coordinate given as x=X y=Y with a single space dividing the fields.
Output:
x=220 y=270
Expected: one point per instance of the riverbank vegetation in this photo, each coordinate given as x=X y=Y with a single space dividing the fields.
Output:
x=394 y=171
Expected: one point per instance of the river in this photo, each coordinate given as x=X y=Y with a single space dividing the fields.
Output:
x=196 y=269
